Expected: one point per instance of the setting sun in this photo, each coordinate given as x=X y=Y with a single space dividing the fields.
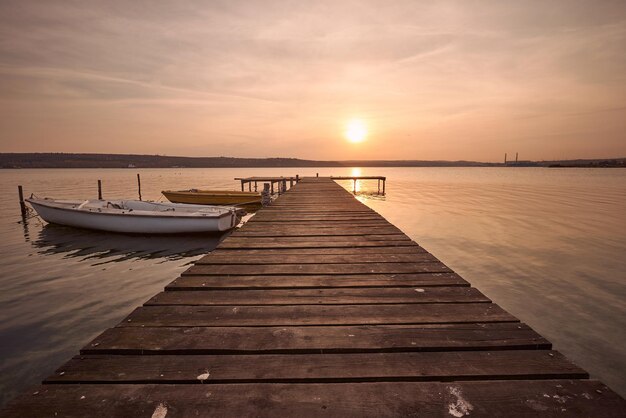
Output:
x=356 y=131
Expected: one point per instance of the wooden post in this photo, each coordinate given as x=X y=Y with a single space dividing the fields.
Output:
x=354 y=188
x=242 y=185
x=284 y=185
x=20 y=192
x=99 y=189
x=255 y=184
x=272 y=182
x=139 y=185
x=290 y=182
x=378 y=186
x=249 y=186
x=266 y=198
x=297 y=178
x=317 y=174
x=384 y=181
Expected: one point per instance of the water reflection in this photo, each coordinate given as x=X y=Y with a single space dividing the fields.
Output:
x=106 y=247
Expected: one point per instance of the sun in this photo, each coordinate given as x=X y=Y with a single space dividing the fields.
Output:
x=356 y=131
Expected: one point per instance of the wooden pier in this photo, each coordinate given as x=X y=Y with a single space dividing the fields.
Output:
x=271 y=180
x=318 y=306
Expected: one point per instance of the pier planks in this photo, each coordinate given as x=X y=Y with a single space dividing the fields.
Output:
x=319 y=306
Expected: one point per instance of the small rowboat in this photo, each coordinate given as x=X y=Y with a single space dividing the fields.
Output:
x=247 y=200
x=135 y=216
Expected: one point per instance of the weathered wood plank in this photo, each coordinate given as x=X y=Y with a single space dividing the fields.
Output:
x=294 y=282
x=199 y=316
x=261 y=220
x=329 y=339
x=315 y=269
x=319 y=239
x=355 y=367
x=363 y=251
x=311 y=232
x=222 y=258
x=525 y=398
x=349 y=296
x=284 y=243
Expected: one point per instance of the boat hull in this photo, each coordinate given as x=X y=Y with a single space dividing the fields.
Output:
x=245 y=200
x=138 y=224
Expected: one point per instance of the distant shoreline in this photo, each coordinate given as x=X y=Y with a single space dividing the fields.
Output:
x=130 y=161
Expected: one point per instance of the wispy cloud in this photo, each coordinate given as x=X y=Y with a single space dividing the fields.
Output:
x=429 y=77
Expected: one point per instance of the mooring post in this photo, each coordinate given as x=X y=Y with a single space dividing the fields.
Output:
x=266 y=198
x=99 y=189
x=20 y=192
x=139 y=185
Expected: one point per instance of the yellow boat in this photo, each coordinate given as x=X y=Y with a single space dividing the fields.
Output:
x=246 y=200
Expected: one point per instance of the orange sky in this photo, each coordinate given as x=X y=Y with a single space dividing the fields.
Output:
x=430 y=79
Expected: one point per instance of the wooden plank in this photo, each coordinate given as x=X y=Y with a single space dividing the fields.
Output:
x=302 y=315
x=329 y=339
x=365 y=251
x=319 y=239
x=315 y=269
x=310 y=232
x=350 y=296
x=516 y=398
x=255 y=226
x=312 y=368
x=249 y=243
x=262 y=218
x=246 y=258
x=315 y=282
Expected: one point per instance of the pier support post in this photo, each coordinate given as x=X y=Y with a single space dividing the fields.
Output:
x=242 y=185
x=20 y=192
x=297 y=178
x=99 y=189
x=255 y=186
x=139 y=185
x=266 y=197
x=378 y=186
x=354 y=188
x=384 y=181
x=249 y=186
x=272 y=183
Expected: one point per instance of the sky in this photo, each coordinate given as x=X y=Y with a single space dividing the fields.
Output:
x=425 y=80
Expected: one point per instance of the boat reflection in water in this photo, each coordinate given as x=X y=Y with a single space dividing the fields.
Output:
x=111 y=247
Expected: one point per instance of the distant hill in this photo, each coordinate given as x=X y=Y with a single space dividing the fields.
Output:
x=63 y=160
x=66 y=160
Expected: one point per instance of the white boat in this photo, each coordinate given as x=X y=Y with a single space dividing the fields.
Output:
x=135 y=216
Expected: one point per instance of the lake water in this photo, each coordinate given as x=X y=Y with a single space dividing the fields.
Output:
x=548 y=245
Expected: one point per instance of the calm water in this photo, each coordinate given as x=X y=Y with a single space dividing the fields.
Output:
x=548 y=245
